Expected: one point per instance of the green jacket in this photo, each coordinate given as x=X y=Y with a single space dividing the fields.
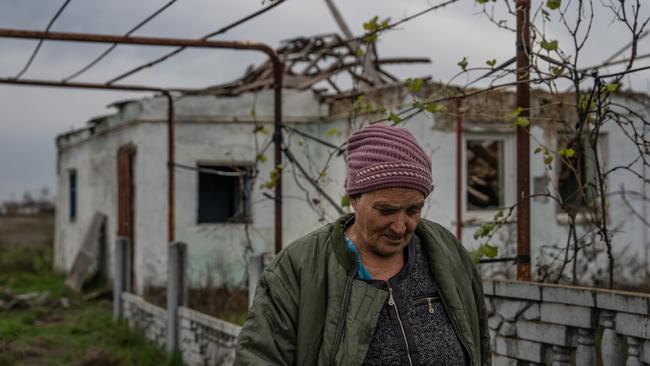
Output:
x=310 y=310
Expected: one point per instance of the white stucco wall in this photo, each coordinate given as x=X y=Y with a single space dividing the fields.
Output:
x=220 y=131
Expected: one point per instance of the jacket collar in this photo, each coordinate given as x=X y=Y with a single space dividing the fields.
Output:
x=344 y=257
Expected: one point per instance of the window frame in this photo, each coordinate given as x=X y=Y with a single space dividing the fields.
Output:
x=476 y=217
x=246 y=217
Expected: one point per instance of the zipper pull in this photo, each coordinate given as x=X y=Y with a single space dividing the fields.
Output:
x=391 y=300
x=430 y=305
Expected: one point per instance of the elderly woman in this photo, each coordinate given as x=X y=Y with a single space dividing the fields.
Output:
x=382 y=286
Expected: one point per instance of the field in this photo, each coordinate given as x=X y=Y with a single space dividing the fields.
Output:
x=44 y=323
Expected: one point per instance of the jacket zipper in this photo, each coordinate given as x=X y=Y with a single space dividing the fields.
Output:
x=391 y=302
x=454 y=323
x=340 y=327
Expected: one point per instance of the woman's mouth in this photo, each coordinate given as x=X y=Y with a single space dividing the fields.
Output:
x=393 y=239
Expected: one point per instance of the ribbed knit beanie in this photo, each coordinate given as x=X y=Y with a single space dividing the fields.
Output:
x=381 y=156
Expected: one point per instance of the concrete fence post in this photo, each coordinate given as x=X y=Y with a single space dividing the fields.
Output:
x=121 y=274
x=176 y=291
x=255 y=268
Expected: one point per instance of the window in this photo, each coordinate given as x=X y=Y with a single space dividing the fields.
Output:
x=484 y=174
x=72 y=194
x=222 y=194
x=577 y=176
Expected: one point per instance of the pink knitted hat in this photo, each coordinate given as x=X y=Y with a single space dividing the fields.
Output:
x=381 y=156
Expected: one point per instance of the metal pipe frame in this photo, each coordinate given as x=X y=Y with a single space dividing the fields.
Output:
x=523 y=141
x=153 y=41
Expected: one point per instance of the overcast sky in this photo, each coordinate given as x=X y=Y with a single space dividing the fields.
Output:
x=30 y=118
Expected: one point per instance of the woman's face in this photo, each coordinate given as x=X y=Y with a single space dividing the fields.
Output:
x=386 y=219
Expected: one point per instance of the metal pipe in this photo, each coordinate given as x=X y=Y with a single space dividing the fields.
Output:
x=523 y=141
x=136 y=88
x=143 y=41
x=278 y=71
x=171 y=177
x=459 y=171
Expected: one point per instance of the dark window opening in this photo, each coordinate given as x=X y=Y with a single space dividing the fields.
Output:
x=72 y=194
x=223 y=194
x=484 y=174
x=577 y=177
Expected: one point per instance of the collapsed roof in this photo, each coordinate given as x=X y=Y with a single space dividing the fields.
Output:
x=316 y=63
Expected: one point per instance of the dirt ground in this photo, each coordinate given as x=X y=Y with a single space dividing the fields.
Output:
x=42 y=322
x=27 y=231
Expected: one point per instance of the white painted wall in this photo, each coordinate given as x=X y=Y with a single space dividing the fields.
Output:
x=220 y=130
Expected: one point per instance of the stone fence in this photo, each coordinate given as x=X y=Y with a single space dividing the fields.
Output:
x=205 y=340
x=148 y=318
x=530 y=323
x=200 y=338
x=562 y=325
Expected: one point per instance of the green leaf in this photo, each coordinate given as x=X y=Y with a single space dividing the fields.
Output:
x=463 y=63
x=482 y=1
x=417 y=104
x=498 y=215
x=262 y=158
x=484 y=230
x=557 y=71
x=538 y=150
x=488 y=250
x=371 y=25
x=332 y=132
x=394 y=117
x=491 y=63
x=273 y=177
x=435 y=108
x=345 y=201
x=370 y=38
x=521 y=121
x=414 y=85
x=360 y=52
x=261 y=129
x=463 y=109
x=567 y=153
x=548 y=159
x=516 y=112
x=548 y=45
x=502 y=23
x=611 y=87
x=553 y=4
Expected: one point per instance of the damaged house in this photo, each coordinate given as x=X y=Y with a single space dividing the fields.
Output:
x=117 y=166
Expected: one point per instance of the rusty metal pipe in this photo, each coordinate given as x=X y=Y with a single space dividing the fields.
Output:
x=132 y=88
x=523 y=141
x=152 y=41
x=143 y=41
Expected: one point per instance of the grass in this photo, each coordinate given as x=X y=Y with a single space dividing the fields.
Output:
x=81 y=334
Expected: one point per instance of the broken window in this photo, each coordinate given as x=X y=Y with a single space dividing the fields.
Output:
x=485 y=174
x=223 y=194
x=577 y=175
x=72 y=194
